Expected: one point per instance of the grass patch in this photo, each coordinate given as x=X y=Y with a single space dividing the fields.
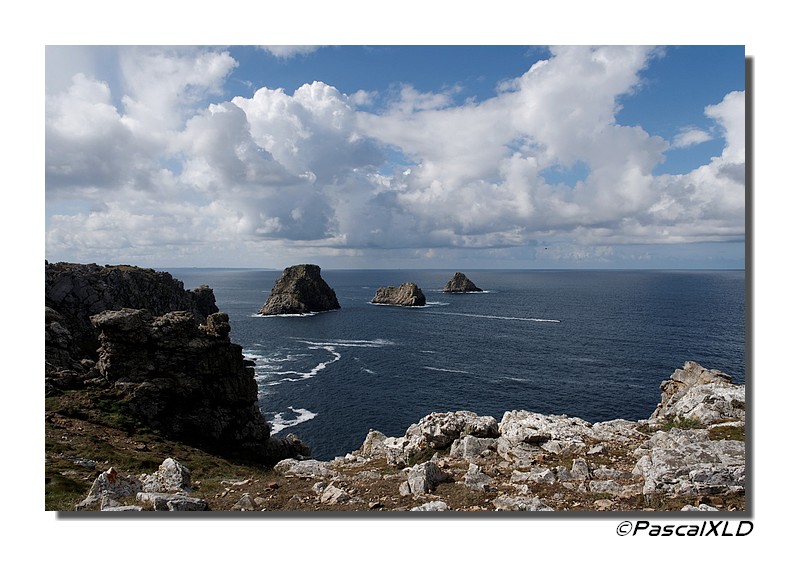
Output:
x=726 y=433
x=683 y=423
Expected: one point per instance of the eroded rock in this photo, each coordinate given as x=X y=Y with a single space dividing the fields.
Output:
x=300 y=290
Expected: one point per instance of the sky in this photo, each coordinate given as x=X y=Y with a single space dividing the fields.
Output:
x=396 y=156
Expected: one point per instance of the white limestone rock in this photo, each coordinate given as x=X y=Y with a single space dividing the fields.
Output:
x=695 y=392
x=686 y=462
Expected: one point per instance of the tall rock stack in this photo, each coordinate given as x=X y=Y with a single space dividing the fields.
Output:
x=460 y=283
x=300 y=290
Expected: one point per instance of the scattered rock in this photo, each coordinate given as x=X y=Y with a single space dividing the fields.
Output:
x=520 y=503
x=110 y=486
x=431 y=506
x=701 y=507
x=459 y=283
x=300 y=290
x=406 y=295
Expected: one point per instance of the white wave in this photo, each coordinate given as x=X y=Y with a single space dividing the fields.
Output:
x=499 y=317
x=303 y=375
x=445 y=370
x=369 y=371
x=259 y=315
x=344 y=343
x=278 y=422
x=427 y=305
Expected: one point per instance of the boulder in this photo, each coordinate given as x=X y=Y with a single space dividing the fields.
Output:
x=460 y=283
x=304 y=469
x=333 y=495
x=171 y=477
x=524 y=435
x=406 y=295
x=110 y=485
x=423 y=478
x=300 y=290
x=476 y=480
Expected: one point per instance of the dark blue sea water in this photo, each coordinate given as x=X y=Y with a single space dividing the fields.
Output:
x=591 y=344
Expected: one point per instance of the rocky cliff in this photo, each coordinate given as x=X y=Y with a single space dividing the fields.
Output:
x=161 y=354
x=460 y=283
x=300 y=290
x=406 y=295
x=189 y=382
x=74 y=292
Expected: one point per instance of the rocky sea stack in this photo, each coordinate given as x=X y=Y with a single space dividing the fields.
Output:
x=300 y=290
x=406 y=295
x=460 y=283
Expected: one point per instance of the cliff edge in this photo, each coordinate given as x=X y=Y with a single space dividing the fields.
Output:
x=135 y=340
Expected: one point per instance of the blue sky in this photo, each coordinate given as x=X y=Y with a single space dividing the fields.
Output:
x=396 y=156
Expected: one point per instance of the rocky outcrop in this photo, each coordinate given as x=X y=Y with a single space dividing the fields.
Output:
x=536 y=462
x=406 y=295
x=74 y=292
x=300 y=290
x=706 y=395
x=167 y=489
x=187 y=381
x=460 y=283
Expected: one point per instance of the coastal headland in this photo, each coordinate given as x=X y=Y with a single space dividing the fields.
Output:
x=149 y=406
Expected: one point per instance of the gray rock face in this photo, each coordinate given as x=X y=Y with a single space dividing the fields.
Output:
x=188 y=381
x=406 y=295
x=686 y=462
x=460 y=283
x=78 y=291
x=300 y=290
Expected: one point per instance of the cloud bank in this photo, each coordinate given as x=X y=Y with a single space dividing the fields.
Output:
x=169 y=169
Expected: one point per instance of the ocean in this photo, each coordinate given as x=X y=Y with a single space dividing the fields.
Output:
x=590 y=344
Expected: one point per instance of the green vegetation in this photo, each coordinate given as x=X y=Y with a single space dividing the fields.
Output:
x=683 y=423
